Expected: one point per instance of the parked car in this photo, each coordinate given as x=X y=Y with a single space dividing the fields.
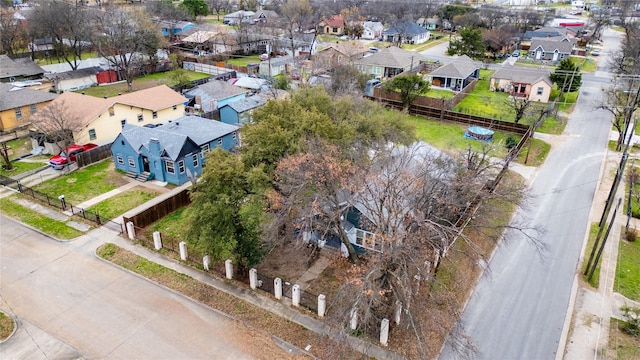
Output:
x=595 y=52
x=515 y=53
x=68 y=155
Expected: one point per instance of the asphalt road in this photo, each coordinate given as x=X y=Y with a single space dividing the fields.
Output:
x=518 y=308
x=69 y=303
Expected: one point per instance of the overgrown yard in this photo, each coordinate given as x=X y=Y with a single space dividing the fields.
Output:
x=57 y=229
x=6 y=326
x=622 y=346
x=145 y=82
x=628 y=269
x=121 y=203
x=248 y=314
x=85 y=183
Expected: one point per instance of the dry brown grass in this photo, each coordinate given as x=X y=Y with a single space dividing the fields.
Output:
x=6 y=326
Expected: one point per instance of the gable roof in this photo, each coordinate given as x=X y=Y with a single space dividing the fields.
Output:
x=171 y=25
x=74 y=74
x=373 y=25
x=14 y=96
x=250 y=83
x=86 y=108
x=216 y=89
x=200 y=36
x=173 y=135
x=247 y=104
x=265 y=14
x=334 y=21
x=563 y=46
x=526 y=75
x=393 y=57
x=406 y=28
x=349 y=48
x=18 y=67
x=459 y=68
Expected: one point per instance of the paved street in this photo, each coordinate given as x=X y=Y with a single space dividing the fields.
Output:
x=518 y=310
x=71 y=303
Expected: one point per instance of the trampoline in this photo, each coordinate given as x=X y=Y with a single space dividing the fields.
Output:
x=479 y=133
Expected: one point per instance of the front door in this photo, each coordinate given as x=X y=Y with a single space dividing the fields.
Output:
x=145 y=164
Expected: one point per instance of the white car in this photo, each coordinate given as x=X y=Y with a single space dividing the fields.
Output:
x=595 y=52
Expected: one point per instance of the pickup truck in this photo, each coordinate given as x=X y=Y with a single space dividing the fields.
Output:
x=68 y=155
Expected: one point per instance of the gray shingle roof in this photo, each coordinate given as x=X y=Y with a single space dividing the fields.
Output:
x=216 y=89
x=406 y=28
x=459 y=68
x=172 y=136
x=549 y=45
x=249 y=103
x=18 y=67
x=14 y=96
x=522 y=75
x=393 y=57
x=75 y=74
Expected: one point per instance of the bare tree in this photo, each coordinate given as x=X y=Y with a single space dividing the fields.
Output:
x=297 y=16
x=126 y=39
x=13 y=36
x=165 y=10
x=55 y=123
x=67 y=25
x=621 y=100
x=218 y=6
x=519 y=105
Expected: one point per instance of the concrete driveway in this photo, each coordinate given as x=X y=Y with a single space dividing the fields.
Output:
x=94 y=309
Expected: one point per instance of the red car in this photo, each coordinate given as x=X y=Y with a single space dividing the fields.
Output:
x=68 y=155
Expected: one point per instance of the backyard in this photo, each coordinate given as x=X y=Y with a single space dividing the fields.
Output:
x=627 y=280
x=21 y=147
x=145 y=82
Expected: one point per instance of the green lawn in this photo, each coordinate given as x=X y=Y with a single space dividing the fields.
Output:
x=244 y=60
x=21 y=167
x=172 y=225
x=483 y=102
x=54 y=60
x=627 y=280
x=121 y=203
x=537 y=154
x=440 y=94
x=57 y=229
x=21 y=146
x=593 y=232
x=589 y=65
x=140 y=83
x=84 y=184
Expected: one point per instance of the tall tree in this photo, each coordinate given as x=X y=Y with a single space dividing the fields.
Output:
x=469 y=43
x=167 y=11
x=55 y=123
x=226 y=214
x=127 y=39
x=218 y=6
x=67 y=25
x=567 y=76
x=409 y=87
x=297 y=16
x=13 y=36
x=195 y=7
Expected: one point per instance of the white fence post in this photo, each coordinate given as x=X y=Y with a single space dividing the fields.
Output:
x=398 y=312
x=253 y=278
x=384 y=332
x=131 y=231
x=322 y=305
x=295 y=295
x=228 y=269
x=183 y=250
x=206 y=261
x=277 y=288
x=354 y=319
x=157 y=240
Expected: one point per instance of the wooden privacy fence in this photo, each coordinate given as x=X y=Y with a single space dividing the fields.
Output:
x=94 y=155
x=160 y=210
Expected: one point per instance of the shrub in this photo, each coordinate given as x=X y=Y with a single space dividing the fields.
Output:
x=631 y=235
x=632 y=318
x=510 y=142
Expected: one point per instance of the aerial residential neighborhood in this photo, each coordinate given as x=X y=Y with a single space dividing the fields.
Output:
x=319 y=179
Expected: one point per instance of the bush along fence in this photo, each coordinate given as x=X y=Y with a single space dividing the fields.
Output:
x=276 y=287
x=61 y=204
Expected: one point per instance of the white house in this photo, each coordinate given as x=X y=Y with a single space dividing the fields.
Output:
x=372 y=30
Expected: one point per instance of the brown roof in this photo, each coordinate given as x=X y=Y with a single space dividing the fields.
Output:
x=334 y=21
x=82 y=107
x=155 y=98
x=349 y=48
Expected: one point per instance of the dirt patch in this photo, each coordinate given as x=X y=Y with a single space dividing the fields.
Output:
x=287 y=261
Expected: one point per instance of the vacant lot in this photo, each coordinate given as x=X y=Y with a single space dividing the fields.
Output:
x=145 y=82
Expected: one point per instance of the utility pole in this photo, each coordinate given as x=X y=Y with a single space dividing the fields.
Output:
x=604 y=241
x=632 y=181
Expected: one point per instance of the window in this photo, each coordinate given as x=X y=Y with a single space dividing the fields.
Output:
x=235 y=135
x=195 y=160
x=34 y=109
x=170 y=167
x=112 y=112
x=335 y=29
x=92 y=134
x=154 y=114
x=181 y=166
x=140 y=118
x=220 y=141
x=18 y=113
x=540 y=90
x=205 y=148
x=175 y=107
x=120 y=160
x=132 y=164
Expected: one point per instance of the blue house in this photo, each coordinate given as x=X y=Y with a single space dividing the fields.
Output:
x=173 y=28
x=211 y=96
x=239 y=112
x=171 y=152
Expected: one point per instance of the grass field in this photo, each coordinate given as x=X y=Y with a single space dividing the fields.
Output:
x=84 y=184
x=627 y=280
x=21 y=167
x=140 y=83
x=57 y=229
x=54 y=60
x=121 y=203
x=593 y=233
x=244 y=60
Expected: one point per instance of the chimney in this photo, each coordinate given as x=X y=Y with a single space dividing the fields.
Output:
x=154 y=146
